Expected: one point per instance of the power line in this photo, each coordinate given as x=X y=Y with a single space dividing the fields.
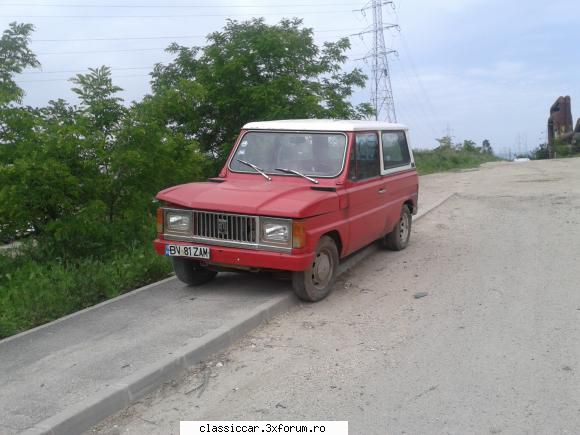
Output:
x=140 y=38
x=95 y=51
x=415 y=97
x=83 y=71
x=423 y=92
x=115 y=50
x=58 y=53
x=418 y=78
x=68 y=79
x=117 y=39
x=115 y=76
x=153 y=6
x=325 y=12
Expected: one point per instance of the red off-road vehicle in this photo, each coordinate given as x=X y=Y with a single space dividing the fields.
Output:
x=293 y=196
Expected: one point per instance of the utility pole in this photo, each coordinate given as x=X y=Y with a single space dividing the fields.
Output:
x=381 y=90
x=449 y=132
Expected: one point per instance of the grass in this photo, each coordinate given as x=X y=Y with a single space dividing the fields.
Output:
x=33 y=293
x=446 y=159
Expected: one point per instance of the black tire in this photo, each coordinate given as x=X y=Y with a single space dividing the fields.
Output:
x=191 y=272
x=398 y=239
x=315 y=283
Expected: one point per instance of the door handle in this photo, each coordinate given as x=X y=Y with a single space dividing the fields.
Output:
x=382 y=190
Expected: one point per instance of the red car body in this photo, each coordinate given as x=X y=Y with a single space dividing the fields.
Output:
x=353 y=210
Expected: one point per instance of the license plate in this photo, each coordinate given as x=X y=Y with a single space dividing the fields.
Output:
x=187 y=251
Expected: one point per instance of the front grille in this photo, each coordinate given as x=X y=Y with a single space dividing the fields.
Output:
x=227 y=227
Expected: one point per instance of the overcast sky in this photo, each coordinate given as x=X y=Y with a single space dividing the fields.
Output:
x=479 y=69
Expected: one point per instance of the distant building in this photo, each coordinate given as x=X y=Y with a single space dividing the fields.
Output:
x=560 y=125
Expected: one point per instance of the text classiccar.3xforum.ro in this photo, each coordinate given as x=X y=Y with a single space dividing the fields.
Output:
x=267 y=428
x=275 y=427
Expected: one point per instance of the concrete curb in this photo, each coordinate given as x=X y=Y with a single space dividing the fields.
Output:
x=86 y=414
x=128 y=294
x=438 y=204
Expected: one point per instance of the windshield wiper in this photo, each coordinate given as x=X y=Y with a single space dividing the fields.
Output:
x=255 y=168
x=292 y=171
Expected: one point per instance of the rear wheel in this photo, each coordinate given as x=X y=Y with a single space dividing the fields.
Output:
x=191 y=272
x=398 y=239
x=317 y=281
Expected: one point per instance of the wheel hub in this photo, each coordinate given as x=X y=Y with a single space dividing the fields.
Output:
x=321 y=269
x=404 y=227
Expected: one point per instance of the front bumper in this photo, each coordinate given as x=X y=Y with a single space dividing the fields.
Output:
x=246 y=258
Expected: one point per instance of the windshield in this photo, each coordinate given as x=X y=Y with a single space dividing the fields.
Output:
x=314 y=154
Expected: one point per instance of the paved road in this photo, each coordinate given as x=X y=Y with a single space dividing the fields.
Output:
x=493 y=348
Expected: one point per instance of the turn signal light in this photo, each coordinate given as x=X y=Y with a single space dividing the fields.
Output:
x=159 y=220
x=298 y=235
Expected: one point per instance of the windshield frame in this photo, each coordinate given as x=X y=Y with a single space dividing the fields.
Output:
x=235 y=150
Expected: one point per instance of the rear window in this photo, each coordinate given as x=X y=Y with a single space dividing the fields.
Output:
x=395 y=149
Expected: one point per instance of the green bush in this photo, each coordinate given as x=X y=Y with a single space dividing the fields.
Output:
x=33 y=293
x=449 y=159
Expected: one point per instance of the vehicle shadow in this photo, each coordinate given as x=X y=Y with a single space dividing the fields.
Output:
x=264 y=284
x=248 y=284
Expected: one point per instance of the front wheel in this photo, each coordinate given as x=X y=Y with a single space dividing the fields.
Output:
x=191 y=272
x=317 y=281
x=398 y=239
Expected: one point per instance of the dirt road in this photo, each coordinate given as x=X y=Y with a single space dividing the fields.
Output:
x=493 y=346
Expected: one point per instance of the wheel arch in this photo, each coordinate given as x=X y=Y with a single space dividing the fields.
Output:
x=335 y=235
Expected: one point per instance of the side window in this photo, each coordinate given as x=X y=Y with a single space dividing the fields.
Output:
x=364 y=161
x=395 y=149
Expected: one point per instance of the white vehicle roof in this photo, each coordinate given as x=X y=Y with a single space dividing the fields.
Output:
x=323 y=125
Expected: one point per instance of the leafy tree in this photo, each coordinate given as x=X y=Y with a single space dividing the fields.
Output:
x=99 y=118
x=253 y=71
x=486 y=147
x=42 y=182
x=17 y=124
x=470 y=146
x=446 y=142
x=15 y=56
x=83 y=180
x=541 y=152
x=99 y=102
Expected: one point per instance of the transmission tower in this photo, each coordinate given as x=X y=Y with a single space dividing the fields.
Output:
x=382 y=98
x=381 y=89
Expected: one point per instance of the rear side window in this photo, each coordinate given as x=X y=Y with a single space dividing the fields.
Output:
x=365 y=160
x=395 y=149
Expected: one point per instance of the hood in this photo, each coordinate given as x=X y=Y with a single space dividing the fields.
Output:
x=267 y=198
